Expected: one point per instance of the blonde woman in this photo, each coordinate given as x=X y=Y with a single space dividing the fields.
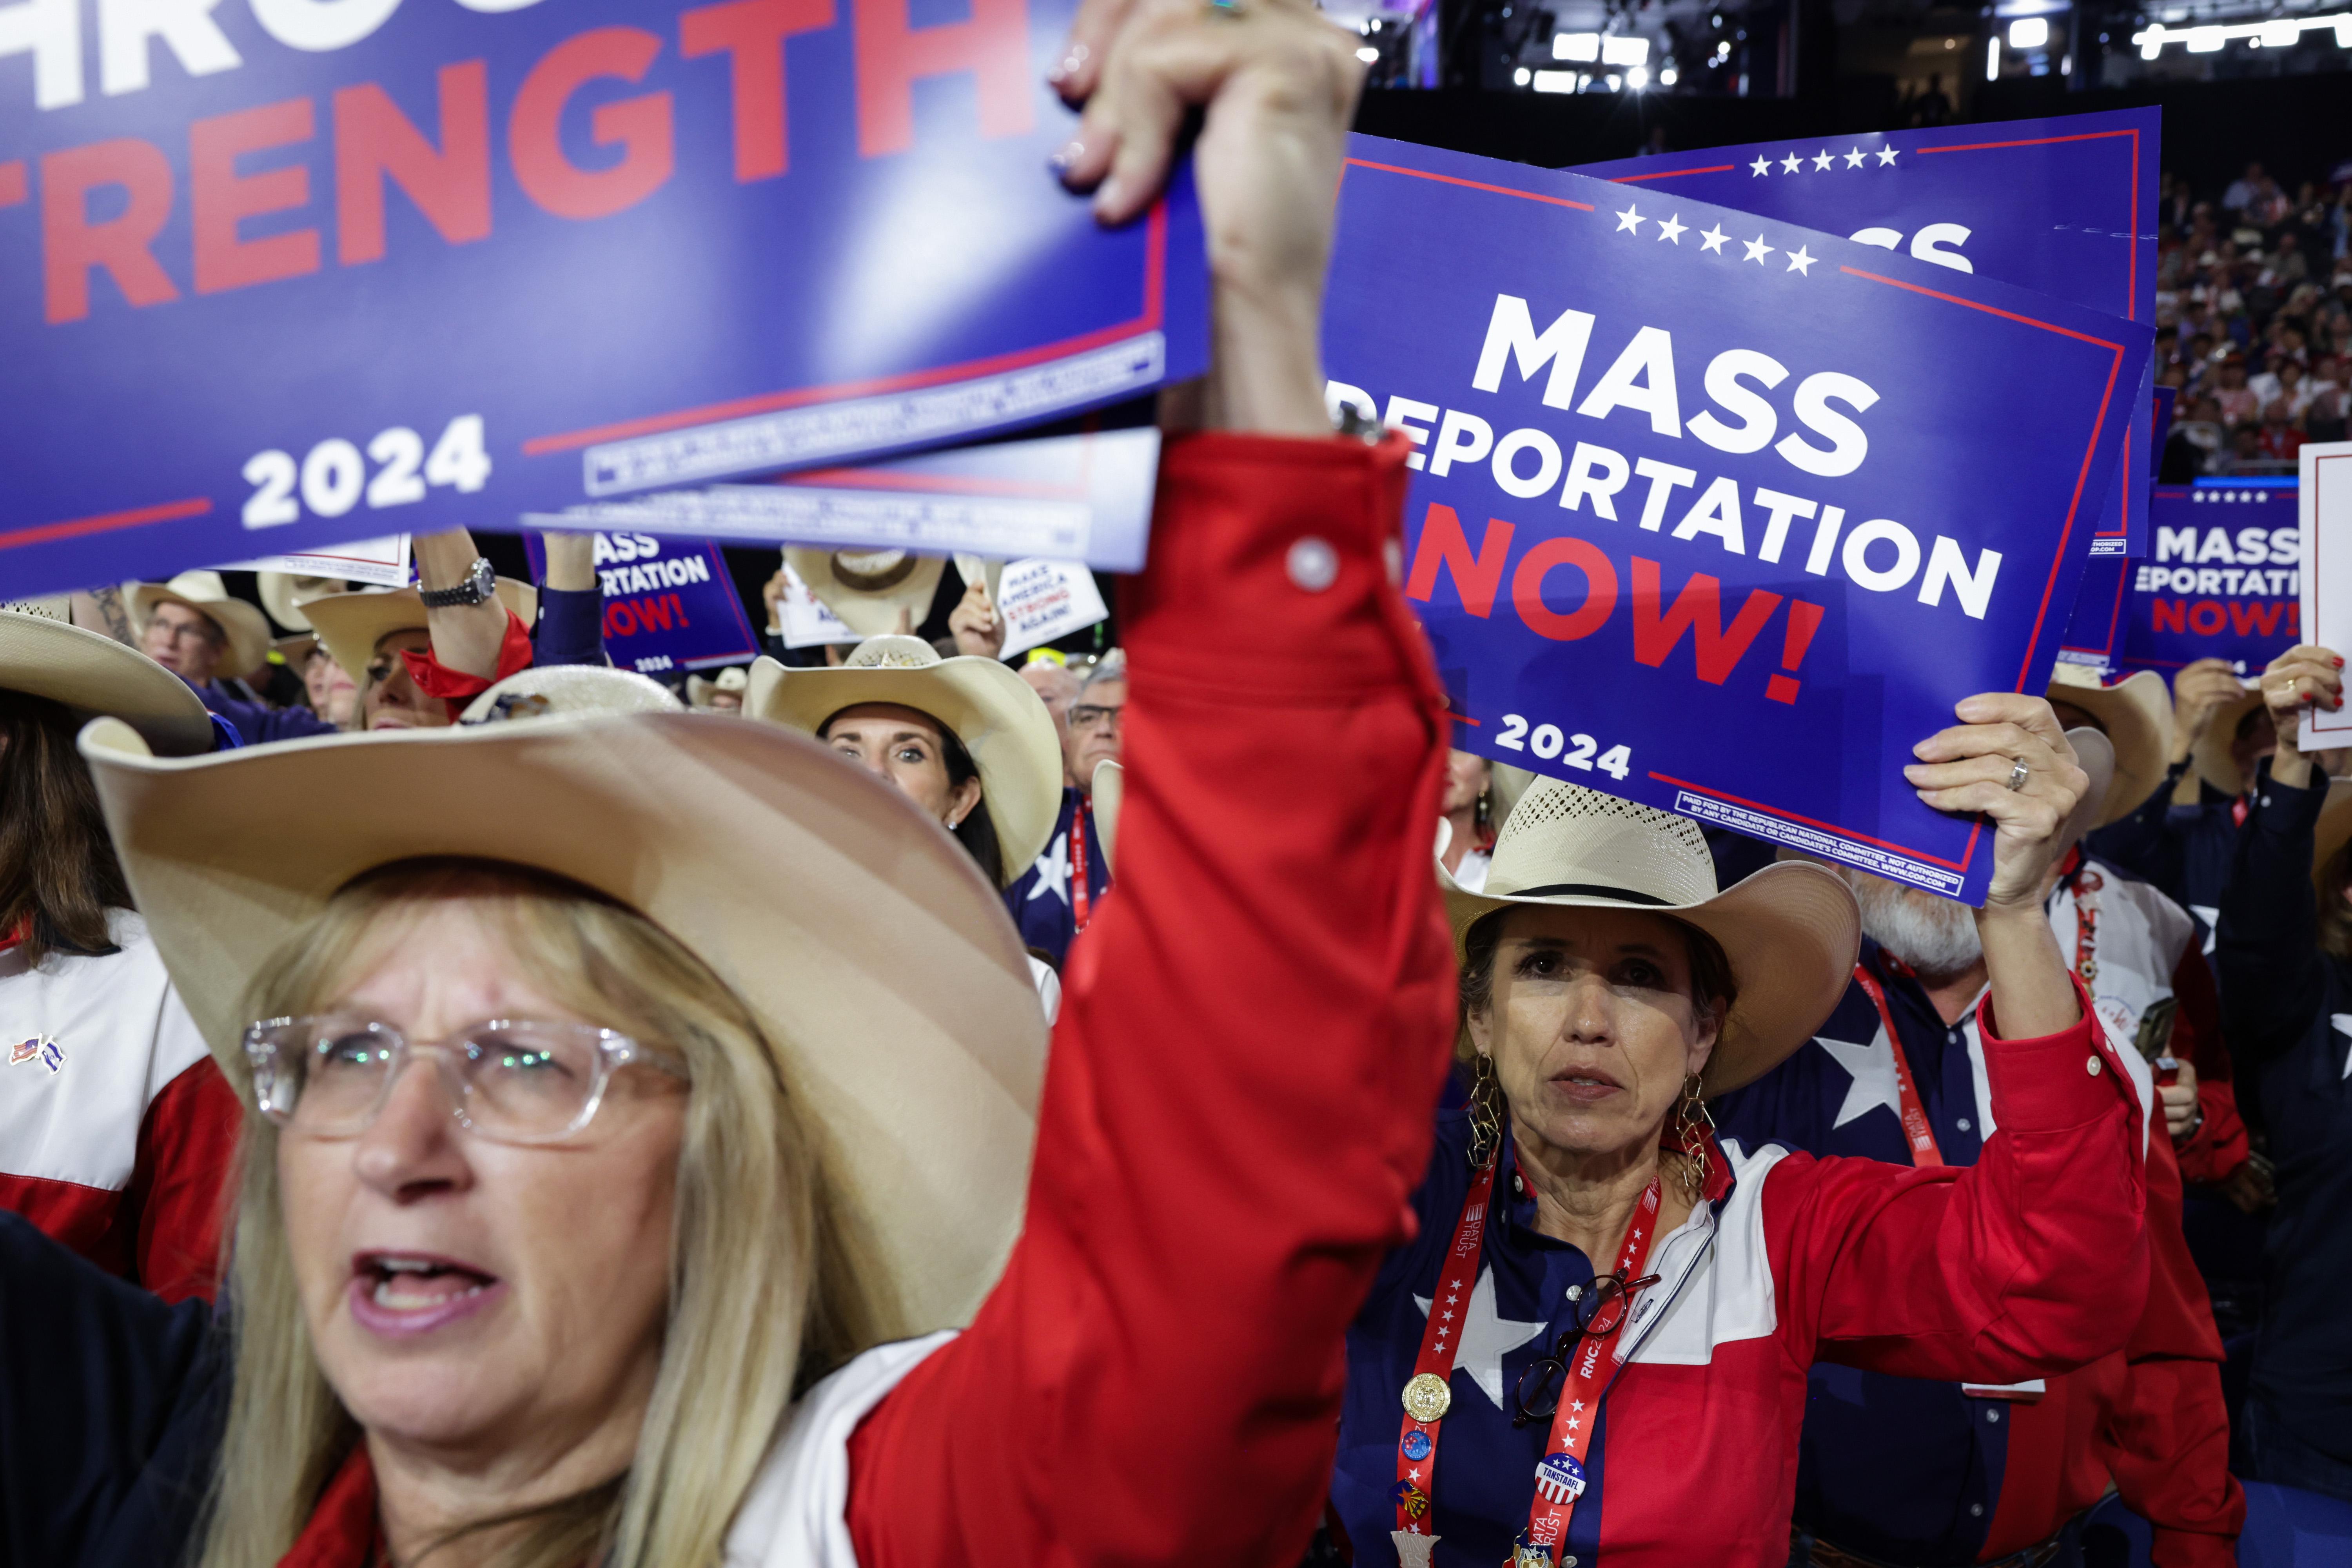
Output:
x=609 y=1134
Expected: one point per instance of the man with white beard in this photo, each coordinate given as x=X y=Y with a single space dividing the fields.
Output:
x=1903 y=1473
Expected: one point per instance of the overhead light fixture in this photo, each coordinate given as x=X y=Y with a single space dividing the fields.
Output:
x=2029 y=33
x=1369 y=55
x=1637 y=77
x=2206 y=38
x=2280 y=34
x=1992 y=58
x=1625 y=51
x=1555 y=82
x=1668 y=75
x=1521 y=77
x=1581 y=46
x=1615 y=81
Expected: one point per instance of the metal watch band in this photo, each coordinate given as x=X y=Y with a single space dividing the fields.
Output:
x=473 y=590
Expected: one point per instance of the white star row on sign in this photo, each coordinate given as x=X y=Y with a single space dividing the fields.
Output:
x=1854 y=158
x=1671 y=229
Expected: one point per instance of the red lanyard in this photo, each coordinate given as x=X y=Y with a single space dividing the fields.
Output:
x=1559 y=1478
x=1080 y=899
x=1916 y=1131
x=2239 y=807
x=2080 y=880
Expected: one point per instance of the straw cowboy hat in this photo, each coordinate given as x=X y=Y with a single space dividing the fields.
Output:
x=246 y=628
x=699 y=690
x=283 y=595
x=42 y=654
x=867 y=588
x=2096 y=755
x=569 y=691
x=1003 y=723
x=879 y=964
x=353 y=624
x=2211 y=751
x=1109 y=793
x=2137 y=715
x=1792 y=930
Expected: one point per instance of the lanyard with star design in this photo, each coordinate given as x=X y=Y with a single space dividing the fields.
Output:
x=1916 y=1131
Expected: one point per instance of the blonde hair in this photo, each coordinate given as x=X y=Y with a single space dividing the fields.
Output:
x=770 y=1287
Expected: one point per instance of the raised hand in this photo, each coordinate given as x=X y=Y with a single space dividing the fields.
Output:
x=2298 y=680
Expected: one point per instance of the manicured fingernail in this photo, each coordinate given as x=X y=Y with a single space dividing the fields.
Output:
x=2340 y=663
x=1072 y=150
x=1106 y=200
x=1069 y=65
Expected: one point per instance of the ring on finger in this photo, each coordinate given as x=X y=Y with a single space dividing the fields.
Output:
x=2017 y=775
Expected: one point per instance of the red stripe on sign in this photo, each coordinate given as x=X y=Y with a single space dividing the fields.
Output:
x=1669 y=174
x=1471 y=184
x=1959 y=865
x=13 y=186
x=44 y=533
x=2131 y=283
x=1155 y=287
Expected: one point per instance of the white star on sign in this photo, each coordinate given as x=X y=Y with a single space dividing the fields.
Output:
x=1673 y=229
x=1853 y=158
x=1762 y=165
x=1885 y=157
x=1488 y=1338
x=2343 y=1021
x=1714 y=239
x=1872 y=1067
x=1824 y=161
x=1629 y=219
x=1800 y=262
x=1757 y=250
x=1053 y=871
x=1793 y=163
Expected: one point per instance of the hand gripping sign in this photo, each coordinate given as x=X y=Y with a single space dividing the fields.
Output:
x=2066 y=206
x=1716 y=514
x=283 y=273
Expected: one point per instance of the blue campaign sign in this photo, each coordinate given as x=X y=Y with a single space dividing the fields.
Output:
x=1714 y=513
x=669 y=604
x=282 y=274
x=2222 y=580
x=2065 y=205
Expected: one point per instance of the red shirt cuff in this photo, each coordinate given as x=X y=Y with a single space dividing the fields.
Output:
x=456 y=687
x=2059 y=1080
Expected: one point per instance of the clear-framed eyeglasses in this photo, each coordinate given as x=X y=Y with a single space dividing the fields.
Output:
x=510 y=1080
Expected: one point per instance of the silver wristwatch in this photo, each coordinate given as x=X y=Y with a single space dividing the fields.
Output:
x=473 y=590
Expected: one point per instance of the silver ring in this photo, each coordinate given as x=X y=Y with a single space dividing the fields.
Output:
x=2017 y=775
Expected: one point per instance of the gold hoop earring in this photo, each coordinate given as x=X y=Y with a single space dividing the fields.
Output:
x=1694 y=1126
x=1485 y=1113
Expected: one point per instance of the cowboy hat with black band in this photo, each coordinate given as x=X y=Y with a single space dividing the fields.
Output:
x=245 y=630
x=1791 y=932
x=43 y=655
x=2136 y=715
x=1000 y=722
x=877 y=961
x=283 y=595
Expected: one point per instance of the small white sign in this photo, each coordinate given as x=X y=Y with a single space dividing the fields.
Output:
x=380 y=563
x=806 y=622
x=1042 y=600
x=2326 y=516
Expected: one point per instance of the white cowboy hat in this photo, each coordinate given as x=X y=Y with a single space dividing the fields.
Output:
x=2211 y=751
x=881 y=966
x=43 y=654
x=2136 y=714
x=867 y=588
x=283 y=595
x=1792 y=930
x=999 y=719
x=353 y=624
x=699 y=689
x=246 y=628
x=569 y=691
x=1109 y=795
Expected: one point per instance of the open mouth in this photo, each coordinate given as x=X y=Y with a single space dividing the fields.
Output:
x=400 y=1293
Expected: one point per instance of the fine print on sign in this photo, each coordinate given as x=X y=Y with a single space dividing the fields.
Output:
x=379 y=563
x=2064 y=207
x=306 y=272
x=2325 y=515
x=1714 y=513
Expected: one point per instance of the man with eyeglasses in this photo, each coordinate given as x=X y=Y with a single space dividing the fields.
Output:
x=1056 y=897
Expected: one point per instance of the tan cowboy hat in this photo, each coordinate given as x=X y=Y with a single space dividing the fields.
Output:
x=246 y=628
x=2096 y=755
x=1003 y=723
x=43 y=654
x=569 y=691
x=699 y=689
x=2137 y=715
x=1792 y=930
x=880 y=965
x=353 y=624
x=1110 y=792
x=283 y=595
x=867 y=588
x=2211 y=751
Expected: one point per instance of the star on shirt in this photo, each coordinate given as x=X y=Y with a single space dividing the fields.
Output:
x=1762 y=165
x=1673 y=229
x=1872 y=1067
x=1800 y=262
x=1712 y=238
x=1853 y=158
x=1053 y=871
x=1793 y=163
x=1824 y=161
x=1629 y=219
x=1885 y=157
x=1757 y=250
x=1487 y=1339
